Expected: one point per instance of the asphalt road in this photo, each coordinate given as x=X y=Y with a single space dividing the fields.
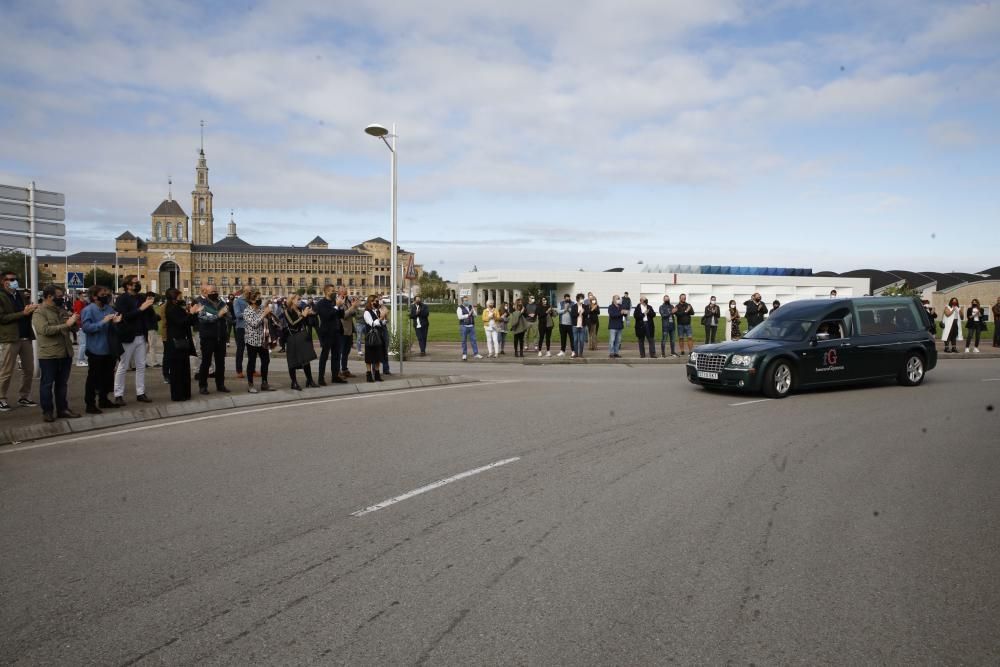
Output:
x=644 y=521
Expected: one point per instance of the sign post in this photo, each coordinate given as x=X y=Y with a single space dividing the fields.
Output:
x=74 y=280
x=23 y=212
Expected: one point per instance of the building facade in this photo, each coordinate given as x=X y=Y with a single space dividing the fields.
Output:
x=182 y=252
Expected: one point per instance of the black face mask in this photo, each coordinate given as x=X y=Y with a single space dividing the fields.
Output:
x=104 y=299
x=136 y=287
x=59 y=301
x=214 y=296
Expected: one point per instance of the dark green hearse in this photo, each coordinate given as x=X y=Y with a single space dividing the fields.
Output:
x=820 y=342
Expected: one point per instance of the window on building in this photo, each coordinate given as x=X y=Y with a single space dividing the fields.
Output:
x=197 y=281
x=158 y=234
x=315 y=281
x=290 y=283
x=263 y=281
x=340 y=282
x=350 y=282
x=302 y=282
x=363 y=282
x=225 y=281
x=237 y=281
x=211 y=280
x=326 y=281
x=250 y=281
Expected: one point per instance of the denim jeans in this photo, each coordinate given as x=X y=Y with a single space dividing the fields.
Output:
x=614 y=340
x=468 y=333
x=81 y=350
x=665 y=335
x=579 y=340
x=55 y=377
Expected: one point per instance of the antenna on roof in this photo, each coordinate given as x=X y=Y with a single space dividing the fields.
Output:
x=170 y=189
x=203 y=137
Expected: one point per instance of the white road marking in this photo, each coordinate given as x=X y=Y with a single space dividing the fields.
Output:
x=234 y=413
x=433 y=485
x=991 y=380
x=759 y=400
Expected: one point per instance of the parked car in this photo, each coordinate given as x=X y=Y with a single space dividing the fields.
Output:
x=823 y=342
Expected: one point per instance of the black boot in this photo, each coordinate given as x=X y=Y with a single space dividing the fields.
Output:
x=378 y=378
x=368 y=377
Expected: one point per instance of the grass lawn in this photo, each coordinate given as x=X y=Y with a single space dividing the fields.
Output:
x=444 y=329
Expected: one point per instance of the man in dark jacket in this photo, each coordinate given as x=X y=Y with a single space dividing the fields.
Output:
x=213 y=332
x=331 y=330
x=645 y=327
x=667 y=331
x=756 y=310
x=132 y=306
x=682 y=314
x=16 y=335
x=420 y=315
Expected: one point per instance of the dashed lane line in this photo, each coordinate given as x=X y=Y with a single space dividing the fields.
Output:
x=433 y=485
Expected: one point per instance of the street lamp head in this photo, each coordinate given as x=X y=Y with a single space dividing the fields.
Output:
x=376 y=130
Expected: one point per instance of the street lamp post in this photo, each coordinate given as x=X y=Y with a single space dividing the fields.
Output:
x=381 y=132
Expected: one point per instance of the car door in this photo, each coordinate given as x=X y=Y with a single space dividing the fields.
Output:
x=827 y=356
x=876 y=343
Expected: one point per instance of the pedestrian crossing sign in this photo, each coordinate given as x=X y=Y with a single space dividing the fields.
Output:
x=74 y=280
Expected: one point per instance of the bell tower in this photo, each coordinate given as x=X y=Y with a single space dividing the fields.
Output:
x=201 y=201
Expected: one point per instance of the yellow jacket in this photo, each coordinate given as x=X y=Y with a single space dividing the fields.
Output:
x=490 y=315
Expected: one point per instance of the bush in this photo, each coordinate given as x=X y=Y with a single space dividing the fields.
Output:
x=405 y=339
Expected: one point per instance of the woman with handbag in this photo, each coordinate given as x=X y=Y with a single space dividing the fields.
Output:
x=299 y=350
x=734 y=321
x=256 y=336
x=178 y=348
x=374 y=339
x=517 y=325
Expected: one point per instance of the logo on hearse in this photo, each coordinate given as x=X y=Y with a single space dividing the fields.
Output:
x=830 y=358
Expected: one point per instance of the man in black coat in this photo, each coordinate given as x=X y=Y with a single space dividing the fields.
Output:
x=213 y=333
x=420 y=314
x=756 y=310
x=645 y=327
x=330 y=334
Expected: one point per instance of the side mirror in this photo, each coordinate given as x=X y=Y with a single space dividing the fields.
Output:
x=821 y=336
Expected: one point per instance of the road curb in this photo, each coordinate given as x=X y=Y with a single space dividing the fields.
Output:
x=15 y=435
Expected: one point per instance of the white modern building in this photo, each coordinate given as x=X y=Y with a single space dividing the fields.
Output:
x=506 y=285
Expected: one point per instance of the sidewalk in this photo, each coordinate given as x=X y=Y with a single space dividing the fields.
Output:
x=21 y=424
x=629 y=355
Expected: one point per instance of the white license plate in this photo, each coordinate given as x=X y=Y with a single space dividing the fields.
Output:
x=706 y=375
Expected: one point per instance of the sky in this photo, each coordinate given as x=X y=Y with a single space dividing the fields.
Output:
x=561 y=135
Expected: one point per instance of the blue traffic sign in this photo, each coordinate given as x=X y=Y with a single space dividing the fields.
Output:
x=74 y=280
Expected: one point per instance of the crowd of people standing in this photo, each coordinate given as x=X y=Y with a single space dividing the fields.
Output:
x=118 y=333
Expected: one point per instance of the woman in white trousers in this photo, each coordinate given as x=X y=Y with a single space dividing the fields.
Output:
x=491 y=324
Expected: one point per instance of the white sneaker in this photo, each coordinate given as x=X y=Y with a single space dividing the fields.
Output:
x=966 y=350
x=479 y=356
x=464 y=357
x=975 y=350
x=539 y=353
x=81 y=363
x=561 y=354
x=572 y=354
x=548 y=354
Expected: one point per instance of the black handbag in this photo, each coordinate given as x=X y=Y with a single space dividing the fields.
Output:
x=373 y=337
x=182 y=345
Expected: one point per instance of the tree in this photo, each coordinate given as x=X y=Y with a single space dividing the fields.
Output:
x=432 y=286
x=533 y=289
x=901 y=290
x=13 y=260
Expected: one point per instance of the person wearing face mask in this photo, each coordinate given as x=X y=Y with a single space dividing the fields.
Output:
x=579 y=317
x=517 y=326
x=734 y=321
x=711 y=320
x=546 y=320
x=951 y=325
x=467 y=328
x=565 y=324
x=531 y=320
x=684 y=311
x=490 y=317
x=132 y=306
x=626 y=306
x=645 y=328
x=975 y=322
x=16 y=335
x=213 y=334
x=420 y=316
x=667 y=327
x=593 y=321
x=616 y=323
x=97 y=321
x=53 y=325
x=756 y=310
x=775 y=305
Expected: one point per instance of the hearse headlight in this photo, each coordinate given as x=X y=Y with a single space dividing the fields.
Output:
x=694 y=357
x=741 y=360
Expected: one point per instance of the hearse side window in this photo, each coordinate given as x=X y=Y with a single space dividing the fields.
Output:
x=833 y=329
x=887 y=318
